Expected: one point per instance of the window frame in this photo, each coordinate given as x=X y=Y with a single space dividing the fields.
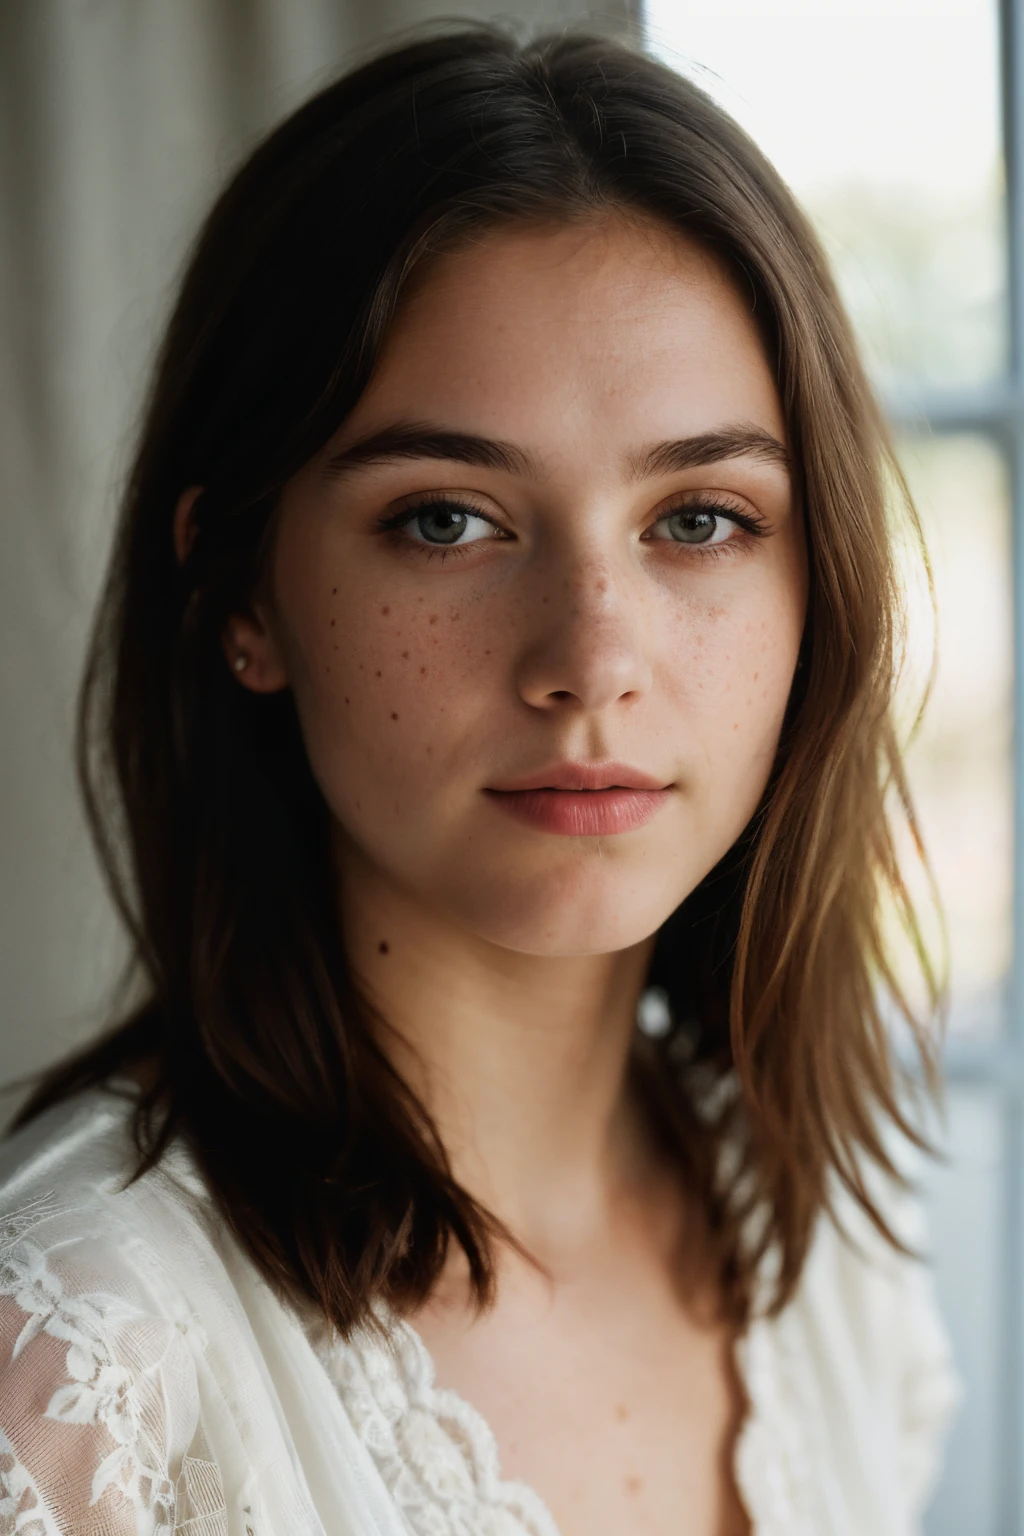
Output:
x=996 y=1065
x=996 y=411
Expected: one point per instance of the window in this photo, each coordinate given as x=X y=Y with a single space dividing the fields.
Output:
x=900 y=125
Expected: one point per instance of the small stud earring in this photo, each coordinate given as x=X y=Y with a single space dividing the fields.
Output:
x=654 y=1013
x=240 y=662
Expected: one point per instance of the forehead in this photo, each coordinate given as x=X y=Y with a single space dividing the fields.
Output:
x=604 y=331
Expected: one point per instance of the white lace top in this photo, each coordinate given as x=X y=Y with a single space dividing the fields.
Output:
x=150 y=1381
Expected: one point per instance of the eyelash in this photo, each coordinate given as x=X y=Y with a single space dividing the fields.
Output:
x=750 y=524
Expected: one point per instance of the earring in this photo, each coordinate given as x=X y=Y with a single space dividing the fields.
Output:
x=654 y=1013
x=240 y=662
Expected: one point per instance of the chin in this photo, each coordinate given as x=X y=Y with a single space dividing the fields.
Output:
x=596 y=914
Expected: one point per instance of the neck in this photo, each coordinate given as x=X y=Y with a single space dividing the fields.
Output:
x=521 y=1060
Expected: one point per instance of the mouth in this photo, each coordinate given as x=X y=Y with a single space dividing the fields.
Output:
x=583 y=799
x=578 y=778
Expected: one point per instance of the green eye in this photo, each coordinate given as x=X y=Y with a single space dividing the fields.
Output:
x=691 y=526
x=442 y=524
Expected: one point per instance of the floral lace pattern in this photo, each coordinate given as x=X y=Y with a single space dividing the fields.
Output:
x=21 y=1509
x=100 y=1390
x=114 y=1382
x=436 y=1454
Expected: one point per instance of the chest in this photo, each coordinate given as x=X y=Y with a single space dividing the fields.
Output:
x=621 y=1418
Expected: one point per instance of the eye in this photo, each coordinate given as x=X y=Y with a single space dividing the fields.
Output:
x=703 y=524
x=693 y=525
x=442 y=523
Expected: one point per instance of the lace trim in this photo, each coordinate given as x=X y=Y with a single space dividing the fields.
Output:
x=772 y=1464
x=435 y=1452
x=440 y=1461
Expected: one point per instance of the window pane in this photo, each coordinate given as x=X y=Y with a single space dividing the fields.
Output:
x=960 y=763
x=883 y=115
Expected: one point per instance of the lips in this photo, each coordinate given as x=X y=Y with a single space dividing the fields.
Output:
x=583 y=799
x=583 y=776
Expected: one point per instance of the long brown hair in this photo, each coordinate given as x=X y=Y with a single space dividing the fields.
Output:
x=264 y=1055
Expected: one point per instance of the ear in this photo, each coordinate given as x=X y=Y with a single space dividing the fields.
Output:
x=184 y=529
x=249 y=645
x=253 y=652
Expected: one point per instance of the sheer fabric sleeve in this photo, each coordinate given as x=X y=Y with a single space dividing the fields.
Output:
x=99 y=1407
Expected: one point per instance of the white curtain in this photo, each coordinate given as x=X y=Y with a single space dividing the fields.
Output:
x=118 y=120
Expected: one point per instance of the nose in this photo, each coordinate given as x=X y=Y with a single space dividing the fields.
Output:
x=587 y=651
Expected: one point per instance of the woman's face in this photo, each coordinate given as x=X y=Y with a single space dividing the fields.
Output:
x=541 y=597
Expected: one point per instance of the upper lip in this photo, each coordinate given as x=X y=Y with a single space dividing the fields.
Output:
x=581 y=776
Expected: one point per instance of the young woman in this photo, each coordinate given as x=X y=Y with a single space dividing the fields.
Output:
x=488 y=733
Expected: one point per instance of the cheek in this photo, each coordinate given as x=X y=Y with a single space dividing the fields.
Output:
x=385 y=691
x=734 y=683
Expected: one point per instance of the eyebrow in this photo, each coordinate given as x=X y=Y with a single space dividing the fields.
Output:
x=737 y=442
x=419 y=440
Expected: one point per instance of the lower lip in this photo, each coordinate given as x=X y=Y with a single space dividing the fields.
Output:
x=581 y=813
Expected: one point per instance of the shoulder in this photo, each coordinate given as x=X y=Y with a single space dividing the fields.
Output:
x=858 y=1367
x=80 y=1152
x=882 y=1300
x=70 y=1201
x=98 y=1383
x=79 y=1230
x=150 y=1378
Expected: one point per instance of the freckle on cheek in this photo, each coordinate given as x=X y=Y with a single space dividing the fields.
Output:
x=377 y=674
x=423 y=671
x=433 y=618
x=405 y=655
x=385 y=611
x=383 y=948
x=394 y=716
